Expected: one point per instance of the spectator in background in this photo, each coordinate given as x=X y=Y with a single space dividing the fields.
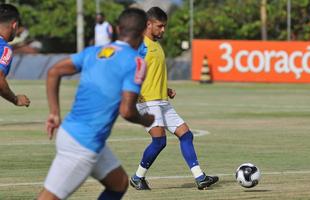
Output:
x=103 y=30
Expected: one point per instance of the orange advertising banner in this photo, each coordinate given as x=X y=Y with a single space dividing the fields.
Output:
x=252 y=61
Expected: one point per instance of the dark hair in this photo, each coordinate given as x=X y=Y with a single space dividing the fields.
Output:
x=8 y=13
x=132 y=22
x=157 y=13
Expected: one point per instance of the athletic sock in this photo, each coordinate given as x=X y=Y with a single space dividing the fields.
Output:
x=189 y=154
x=201 y=177
x=150 y=154
x=197 y=172
x=110 y=195
x=141 y=172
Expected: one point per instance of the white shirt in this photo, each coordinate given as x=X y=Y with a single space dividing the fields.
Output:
x=103 y=33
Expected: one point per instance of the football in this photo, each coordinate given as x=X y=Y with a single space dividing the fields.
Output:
x=248 y=175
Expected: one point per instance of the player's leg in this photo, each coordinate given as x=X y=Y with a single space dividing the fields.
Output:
x=149 y=155
x=47 y=195
x=151 y=152
x=70 y=168
x=111 y=174
x=188 y=151
x=158 y=134
x=176 y=125
x=116 y=184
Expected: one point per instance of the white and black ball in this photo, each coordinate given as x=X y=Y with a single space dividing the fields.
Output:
x=248 y=175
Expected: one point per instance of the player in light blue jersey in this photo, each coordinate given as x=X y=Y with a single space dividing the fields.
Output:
x=9 y=18
x=111 y=77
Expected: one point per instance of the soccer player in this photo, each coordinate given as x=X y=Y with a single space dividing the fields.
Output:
x=154 y=100
x=111 y=77
x=9 y=19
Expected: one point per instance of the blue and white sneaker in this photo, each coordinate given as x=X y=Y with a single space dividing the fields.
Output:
x=206 y=182
x=139 y=183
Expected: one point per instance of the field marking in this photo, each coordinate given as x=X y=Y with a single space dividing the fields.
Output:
x=196 y=132
x=246 y=105
x=160 y=177
x=221 y=175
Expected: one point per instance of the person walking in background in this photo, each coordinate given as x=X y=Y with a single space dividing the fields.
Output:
x=154 y=100
x=111 y=77
x=103 y=30
x=9 y=19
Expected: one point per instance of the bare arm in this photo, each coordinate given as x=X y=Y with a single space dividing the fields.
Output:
x=62 y=68
x=129 y=111
x=8 y=94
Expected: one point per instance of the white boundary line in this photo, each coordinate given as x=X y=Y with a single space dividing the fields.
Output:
x=245 y=105
x=162 y=177
x=197 y=133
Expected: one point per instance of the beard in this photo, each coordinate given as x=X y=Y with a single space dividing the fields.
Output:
x=159 y=36
x=12 y=35
x=11 y=38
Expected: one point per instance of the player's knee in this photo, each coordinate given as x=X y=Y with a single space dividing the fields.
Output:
x=124 y=183
x=47 y=195
x=116 y=180
x=120 y=186
x=159 y=142
x=188 y=136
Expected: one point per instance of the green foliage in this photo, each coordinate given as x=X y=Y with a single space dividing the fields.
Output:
x=54 y=21
x=176 y=32
x=236 y=19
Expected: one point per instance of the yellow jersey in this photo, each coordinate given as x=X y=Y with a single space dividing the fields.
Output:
x=154 y=86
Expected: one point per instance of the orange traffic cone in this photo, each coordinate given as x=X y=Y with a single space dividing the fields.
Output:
x=205 y=76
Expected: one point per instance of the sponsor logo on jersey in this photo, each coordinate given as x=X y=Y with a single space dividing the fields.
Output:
x=6 y=56
x=140 y=70
x=106 y=52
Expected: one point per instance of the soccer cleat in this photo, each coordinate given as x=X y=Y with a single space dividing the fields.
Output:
x=206 y=182
x=139 y=183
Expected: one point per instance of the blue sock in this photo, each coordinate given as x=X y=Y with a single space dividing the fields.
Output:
x=188 y=150
x=201 y=178
x=152 y=151
x=110 y=195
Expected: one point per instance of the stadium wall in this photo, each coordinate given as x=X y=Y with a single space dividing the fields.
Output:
x=35 y=66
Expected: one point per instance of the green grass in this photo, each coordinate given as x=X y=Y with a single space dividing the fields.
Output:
x=267 y=124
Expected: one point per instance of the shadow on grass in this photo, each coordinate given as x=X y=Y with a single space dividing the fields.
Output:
x=253 y=190
x=190 y=185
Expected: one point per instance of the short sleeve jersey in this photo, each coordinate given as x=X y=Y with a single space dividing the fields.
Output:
x=155 y=84
x=105 y=73
x=6 y=55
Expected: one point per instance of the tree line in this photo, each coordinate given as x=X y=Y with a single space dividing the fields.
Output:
x=237 y=20
x=54 y=21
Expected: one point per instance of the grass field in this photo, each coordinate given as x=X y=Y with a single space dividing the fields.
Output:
x=266 y=124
